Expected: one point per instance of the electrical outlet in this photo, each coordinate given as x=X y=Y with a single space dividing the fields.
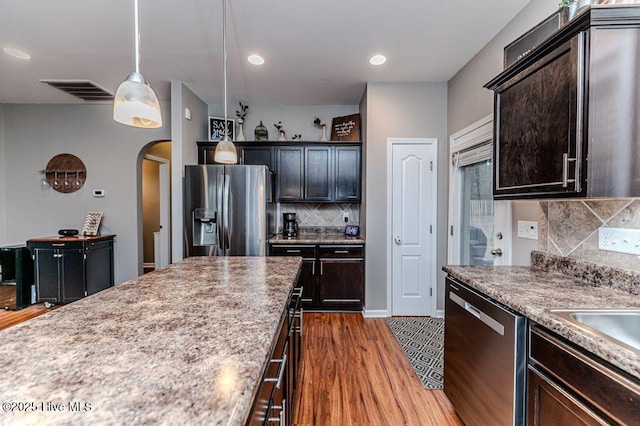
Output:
x=619 y=240
x=528 y=230
x=345 y=216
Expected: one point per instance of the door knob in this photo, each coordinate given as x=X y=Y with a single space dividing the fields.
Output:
x=397 y=239
x=497 y=252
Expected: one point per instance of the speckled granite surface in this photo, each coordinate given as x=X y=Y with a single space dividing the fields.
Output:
x=317 y=239
x=532 y=291
x=183 y=345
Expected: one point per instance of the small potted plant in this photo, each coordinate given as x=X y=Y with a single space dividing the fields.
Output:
x=323 y=124
x=282 y=134
x=241 y=114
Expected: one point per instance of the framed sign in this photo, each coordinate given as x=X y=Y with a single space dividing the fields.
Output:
x=346 y=129
x=216 y=128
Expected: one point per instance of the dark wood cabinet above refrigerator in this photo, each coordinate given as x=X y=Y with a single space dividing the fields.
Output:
x=304 y=171
x=564 y=115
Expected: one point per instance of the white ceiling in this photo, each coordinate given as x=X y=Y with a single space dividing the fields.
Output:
x=316 y=52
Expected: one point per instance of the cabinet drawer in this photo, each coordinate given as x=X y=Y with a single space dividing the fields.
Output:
x=293 y=250
x=341 y=251
x=609 y=391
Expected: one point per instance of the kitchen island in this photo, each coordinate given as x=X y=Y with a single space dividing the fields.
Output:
x=185 y=344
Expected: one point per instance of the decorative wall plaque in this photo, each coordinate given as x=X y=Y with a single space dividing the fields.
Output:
x=346 y=129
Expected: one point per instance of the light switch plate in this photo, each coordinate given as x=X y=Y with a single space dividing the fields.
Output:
x=528 y=229
x=619 y=240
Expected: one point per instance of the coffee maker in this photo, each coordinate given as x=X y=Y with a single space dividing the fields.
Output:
x=290 y=225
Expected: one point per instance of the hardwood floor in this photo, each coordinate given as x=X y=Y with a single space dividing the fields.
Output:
x=354 y=372
x=9 y=318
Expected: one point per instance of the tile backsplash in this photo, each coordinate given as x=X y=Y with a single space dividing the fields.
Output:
x=321 y=214
x=570 y=229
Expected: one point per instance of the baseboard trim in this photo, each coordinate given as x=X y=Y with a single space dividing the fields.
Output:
x=375 y=313
x=439 y=313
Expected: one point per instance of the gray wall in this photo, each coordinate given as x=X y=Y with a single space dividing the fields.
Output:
x=402 y=110
x=3 y=201
x=110 y=151
x=184 y=150
x=469 y=101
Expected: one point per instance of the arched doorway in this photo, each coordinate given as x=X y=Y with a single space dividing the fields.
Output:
x=154 y=206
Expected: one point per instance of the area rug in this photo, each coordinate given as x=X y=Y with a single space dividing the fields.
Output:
x=422 y=340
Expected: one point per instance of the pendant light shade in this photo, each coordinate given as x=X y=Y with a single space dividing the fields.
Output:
x=135 y=103
x=225 y=150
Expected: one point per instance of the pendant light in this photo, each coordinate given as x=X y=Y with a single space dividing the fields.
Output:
x=225 y=150
x=135 y=104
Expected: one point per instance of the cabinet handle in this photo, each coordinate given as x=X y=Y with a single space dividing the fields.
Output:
x=57 y=255
x=321 y=272
x=565 y=169
x=281 y=419
x=341 y=251
x=283 y=364
x=313 y=268
x=294 y=251
x=58 y=245
x=299 y=314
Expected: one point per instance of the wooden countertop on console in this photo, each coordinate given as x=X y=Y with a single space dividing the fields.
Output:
x=71 y=238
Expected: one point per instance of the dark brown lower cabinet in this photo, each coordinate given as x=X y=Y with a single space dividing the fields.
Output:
x=332 y=276
x=274 y=403
x=549 y=404
x=569 y=386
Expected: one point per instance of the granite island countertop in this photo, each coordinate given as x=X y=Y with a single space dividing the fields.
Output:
x=532 y=291
x=186 y=344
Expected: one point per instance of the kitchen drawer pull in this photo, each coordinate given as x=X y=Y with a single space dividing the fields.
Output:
x=57 y=255
x=294 y=251
x=58 y=245
x=297 y=291
x=299 y=314
x=281 y=419
x=341 y=251
x=283 y=364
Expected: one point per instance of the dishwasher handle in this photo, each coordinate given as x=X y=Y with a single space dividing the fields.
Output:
x=486 y=319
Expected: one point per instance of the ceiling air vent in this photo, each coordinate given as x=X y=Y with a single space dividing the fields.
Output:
x=86 y=90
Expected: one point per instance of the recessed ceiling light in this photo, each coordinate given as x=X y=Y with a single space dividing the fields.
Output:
x=378 y=60
x=16 y=53
x=255 y=59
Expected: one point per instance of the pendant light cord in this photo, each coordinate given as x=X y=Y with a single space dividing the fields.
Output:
x=136 y=35
x=224 y=61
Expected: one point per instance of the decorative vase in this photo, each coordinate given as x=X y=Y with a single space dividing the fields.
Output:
x=261 y=133
x=240 y=136
x=282 y=137
x=324 y=138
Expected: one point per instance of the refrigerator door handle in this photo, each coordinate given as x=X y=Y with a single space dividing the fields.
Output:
x=226 y=211
x=219 y=186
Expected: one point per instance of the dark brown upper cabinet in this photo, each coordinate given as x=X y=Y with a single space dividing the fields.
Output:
x=304 y=171
x=564 y=120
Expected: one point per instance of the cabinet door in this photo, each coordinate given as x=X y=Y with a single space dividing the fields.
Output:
x=290 y=179
x=341 y=283
x=347 y=173
x=99 y=267
x=308 y=282
x=318 y=173
x=47 y=279
x=72 y=278
x=537 y=126
x=258 y=156
x=550 y=404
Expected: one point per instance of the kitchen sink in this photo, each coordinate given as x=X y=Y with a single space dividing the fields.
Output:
x=621 y=326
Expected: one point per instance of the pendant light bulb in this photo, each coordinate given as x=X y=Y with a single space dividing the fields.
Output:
x=225 y=149
x=135 y=103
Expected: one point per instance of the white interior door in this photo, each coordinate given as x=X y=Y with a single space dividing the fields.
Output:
x=479 y=227
x=413 y=216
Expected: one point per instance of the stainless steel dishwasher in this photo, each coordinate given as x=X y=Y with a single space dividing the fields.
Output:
x=484 y=358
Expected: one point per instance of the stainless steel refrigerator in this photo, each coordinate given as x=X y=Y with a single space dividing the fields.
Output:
x=228 y=210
